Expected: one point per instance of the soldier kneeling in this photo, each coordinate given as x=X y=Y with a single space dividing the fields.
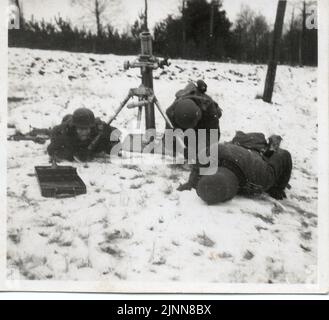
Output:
x=81 y=136
x=242 y=167
x=194 y=110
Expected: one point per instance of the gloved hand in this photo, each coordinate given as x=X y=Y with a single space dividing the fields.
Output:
x=83 y=155
x=277 y=194
x=184 y=187
x=61 y=155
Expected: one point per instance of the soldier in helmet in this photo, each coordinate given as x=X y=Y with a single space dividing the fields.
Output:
x=194 y=109
x=241 y=168
x=74 y=136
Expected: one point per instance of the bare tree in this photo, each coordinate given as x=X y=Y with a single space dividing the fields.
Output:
x=302 y=31
x=302 y=35
x=258 y=29
x=245 y=18
x=95 y=7
x=298 y=46
x=214 y=6
x=138 y=26
x=183 y=27
x=291 y=31
x=19 y=5
x=243 y=26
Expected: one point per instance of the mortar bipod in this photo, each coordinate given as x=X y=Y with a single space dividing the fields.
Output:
x=146 y=96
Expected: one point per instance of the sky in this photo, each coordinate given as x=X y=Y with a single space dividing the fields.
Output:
x=122 y=13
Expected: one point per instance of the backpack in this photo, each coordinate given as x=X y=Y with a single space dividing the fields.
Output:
x=201 y=99
x=253 y=141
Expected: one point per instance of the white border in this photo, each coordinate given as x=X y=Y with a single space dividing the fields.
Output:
x=323 y=141
x=141 y=287
x=3 y=136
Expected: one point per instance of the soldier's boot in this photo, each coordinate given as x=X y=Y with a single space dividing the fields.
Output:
x=281 y=162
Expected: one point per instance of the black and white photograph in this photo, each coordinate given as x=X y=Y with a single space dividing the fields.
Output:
x=176 y=146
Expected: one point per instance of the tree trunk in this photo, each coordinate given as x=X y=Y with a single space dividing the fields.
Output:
x=302 y=45
x=212 y=19
x=98 y=20
x=300 y=56
x=240 y=46
x=255 y=47
x=184 y=30
x=291 y=35
x=20 y=9
x=274 y=53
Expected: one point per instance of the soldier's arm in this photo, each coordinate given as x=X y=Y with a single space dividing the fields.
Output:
x=55 y=141
x=58 y=146
x=170 y=112
x=192 y=181
x=219 y=110
x=110 y=136
x=115 y=135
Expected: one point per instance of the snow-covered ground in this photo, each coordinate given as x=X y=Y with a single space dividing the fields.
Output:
x=132 y=224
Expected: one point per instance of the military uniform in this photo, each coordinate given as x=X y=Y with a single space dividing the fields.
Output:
x=253 y=172
x=199 y=110
x=65 y=143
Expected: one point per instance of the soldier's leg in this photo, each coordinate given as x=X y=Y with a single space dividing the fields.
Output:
x=281 y=162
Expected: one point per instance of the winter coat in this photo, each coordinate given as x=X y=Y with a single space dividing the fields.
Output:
x=66 y=145
x=254 y=172
x=210 y=113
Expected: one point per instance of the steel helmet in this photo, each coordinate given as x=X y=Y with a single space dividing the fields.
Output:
x=187 y=113
x=83 y=118
x=219 y=187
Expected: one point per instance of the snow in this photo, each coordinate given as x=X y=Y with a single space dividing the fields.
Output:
x=132 y=225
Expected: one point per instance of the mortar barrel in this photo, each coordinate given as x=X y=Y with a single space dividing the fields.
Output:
x=146 y=44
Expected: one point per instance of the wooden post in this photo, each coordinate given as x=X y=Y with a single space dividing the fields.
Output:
x=274 y=53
